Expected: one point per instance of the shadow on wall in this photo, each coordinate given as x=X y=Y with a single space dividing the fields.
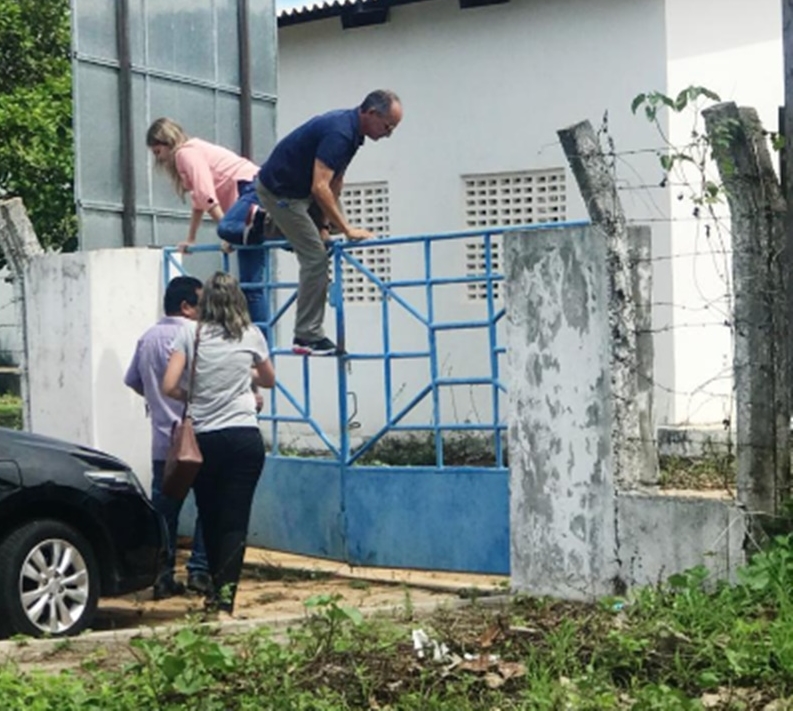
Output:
x=121 y=424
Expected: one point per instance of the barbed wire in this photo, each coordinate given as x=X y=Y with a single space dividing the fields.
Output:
x=707 y=261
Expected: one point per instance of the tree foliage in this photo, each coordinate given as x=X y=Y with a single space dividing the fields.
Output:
x=37 y=150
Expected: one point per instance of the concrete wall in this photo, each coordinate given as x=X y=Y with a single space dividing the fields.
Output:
x=85 y=314
x=561 y=491
x=659 y=535
x=572 y=534
x=484 y=90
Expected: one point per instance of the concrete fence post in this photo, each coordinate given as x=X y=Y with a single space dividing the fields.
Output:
x=641 y=271
x=760 y=321
x=635 y=459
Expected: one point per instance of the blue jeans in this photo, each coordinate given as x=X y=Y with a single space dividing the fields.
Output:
x=170 y=508
x=224 y=488
x=251 y=261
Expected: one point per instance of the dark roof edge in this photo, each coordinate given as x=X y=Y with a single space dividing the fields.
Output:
x=299 y=16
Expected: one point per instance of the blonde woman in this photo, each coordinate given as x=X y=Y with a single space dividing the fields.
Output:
x=223 y=409
x=214 y=177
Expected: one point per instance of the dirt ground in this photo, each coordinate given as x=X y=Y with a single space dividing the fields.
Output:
x=275 y=585
x=272 y=591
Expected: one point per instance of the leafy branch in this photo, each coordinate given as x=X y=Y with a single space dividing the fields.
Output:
x=698 y=152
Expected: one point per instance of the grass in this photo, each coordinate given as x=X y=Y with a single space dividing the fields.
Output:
x=688 y=644
x=11 y=411
x=418 y=450
x=413 y=450
x=715 y=471
x=9 y=381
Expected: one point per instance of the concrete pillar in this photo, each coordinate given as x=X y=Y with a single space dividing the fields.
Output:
x=562 y=503
x=760 y=311
x=641 y=268
x=85 y=313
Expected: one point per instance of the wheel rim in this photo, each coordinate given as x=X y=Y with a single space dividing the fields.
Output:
x=54 y=585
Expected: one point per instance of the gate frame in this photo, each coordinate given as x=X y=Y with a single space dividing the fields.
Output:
x=434 y=517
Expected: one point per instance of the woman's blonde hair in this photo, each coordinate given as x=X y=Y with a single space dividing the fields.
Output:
x=166 y=132
x=223 y=303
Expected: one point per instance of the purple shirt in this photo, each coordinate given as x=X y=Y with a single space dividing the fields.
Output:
x=144 y=376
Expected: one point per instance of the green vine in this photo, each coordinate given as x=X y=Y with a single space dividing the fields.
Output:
x=698 y=151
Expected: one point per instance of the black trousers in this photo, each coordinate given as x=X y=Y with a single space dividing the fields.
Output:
x=224 y=488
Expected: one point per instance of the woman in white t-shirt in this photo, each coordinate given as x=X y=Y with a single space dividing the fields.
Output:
x=232 y=354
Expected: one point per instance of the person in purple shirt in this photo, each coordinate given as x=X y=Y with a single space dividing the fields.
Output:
x=143 y=376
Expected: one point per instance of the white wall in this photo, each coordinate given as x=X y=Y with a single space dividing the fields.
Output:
x=85 y=314
x=734 y=48
x=484 y=90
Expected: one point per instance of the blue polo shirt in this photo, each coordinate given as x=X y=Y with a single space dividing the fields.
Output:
x=333 y=137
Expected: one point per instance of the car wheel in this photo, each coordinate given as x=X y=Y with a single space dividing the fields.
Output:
x=49 y=580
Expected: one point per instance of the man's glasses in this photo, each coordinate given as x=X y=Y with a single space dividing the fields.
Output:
x=389 y=127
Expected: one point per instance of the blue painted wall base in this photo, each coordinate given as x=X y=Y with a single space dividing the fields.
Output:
x=397 y=517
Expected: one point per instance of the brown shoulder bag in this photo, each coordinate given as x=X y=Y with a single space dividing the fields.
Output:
x=184 y=455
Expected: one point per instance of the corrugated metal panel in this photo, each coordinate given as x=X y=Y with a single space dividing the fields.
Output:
x=294 y=11
x=288 y=8
x=183 y=62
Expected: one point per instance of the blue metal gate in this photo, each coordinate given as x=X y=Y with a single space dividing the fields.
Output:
x=443 y=517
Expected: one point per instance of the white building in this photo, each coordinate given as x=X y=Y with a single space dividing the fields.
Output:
x=485 y=86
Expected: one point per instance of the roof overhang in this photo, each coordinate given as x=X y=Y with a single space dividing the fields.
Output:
x=357 y=13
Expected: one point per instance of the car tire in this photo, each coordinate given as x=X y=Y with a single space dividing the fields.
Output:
x=49 y=580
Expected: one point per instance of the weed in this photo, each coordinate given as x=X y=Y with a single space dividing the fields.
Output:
x=670 y=646
x=660 y=697
x=714 y=471
x=62 y=645
x=459 y=449
x=257 y=571
x=187 y=665
x=328 y=620
x=11 y=412
x=769 y=576
x=407 y=604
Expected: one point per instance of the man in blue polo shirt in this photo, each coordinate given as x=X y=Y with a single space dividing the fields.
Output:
x=306 y=167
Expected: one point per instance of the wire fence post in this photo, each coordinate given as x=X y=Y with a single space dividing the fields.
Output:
x=786 y=157
x=19 y=244
x=641 y=274
x=760 y=321
x=635 y=459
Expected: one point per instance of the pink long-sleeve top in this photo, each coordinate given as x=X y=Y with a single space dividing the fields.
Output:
x=210 y=173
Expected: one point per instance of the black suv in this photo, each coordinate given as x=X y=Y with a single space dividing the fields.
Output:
x=75 y=524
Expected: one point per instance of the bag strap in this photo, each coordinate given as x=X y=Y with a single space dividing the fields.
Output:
x=191 y=381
